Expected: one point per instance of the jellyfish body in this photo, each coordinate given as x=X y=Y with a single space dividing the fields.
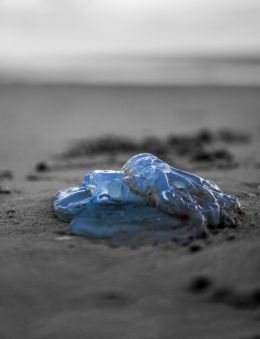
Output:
x=147 y=195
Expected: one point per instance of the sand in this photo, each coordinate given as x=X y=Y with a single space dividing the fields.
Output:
x=55 y=285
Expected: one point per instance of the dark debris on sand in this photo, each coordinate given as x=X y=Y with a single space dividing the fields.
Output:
x=205 y=147
x=249 y=299
x=239 y=299
x=4 y=190
x=42 y=166
x=195 y=248
x=229 y=136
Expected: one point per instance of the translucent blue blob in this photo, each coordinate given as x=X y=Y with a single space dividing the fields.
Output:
x=147 y=195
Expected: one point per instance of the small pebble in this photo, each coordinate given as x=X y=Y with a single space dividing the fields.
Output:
x=195 y=248
x=42 y=166
x=200 y=284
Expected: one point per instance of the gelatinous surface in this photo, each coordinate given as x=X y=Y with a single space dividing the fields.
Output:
x=147 y=195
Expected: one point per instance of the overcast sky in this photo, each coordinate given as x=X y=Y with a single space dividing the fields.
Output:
x=60 y=28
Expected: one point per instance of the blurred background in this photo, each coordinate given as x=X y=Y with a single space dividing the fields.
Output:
x=81 y=68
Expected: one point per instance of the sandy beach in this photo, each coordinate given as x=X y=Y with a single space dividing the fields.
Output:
x=55 y=285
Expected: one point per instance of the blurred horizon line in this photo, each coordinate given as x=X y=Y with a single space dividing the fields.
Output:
x=134 y=69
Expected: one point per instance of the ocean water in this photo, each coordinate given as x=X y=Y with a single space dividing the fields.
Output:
x=39 y=120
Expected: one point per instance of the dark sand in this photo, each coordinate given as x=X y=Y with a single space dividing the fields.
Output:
x=54 y=285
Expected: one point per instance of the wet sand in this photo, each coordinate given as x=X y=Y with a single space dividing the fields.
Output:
x=55 y=285
x=36 y=120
